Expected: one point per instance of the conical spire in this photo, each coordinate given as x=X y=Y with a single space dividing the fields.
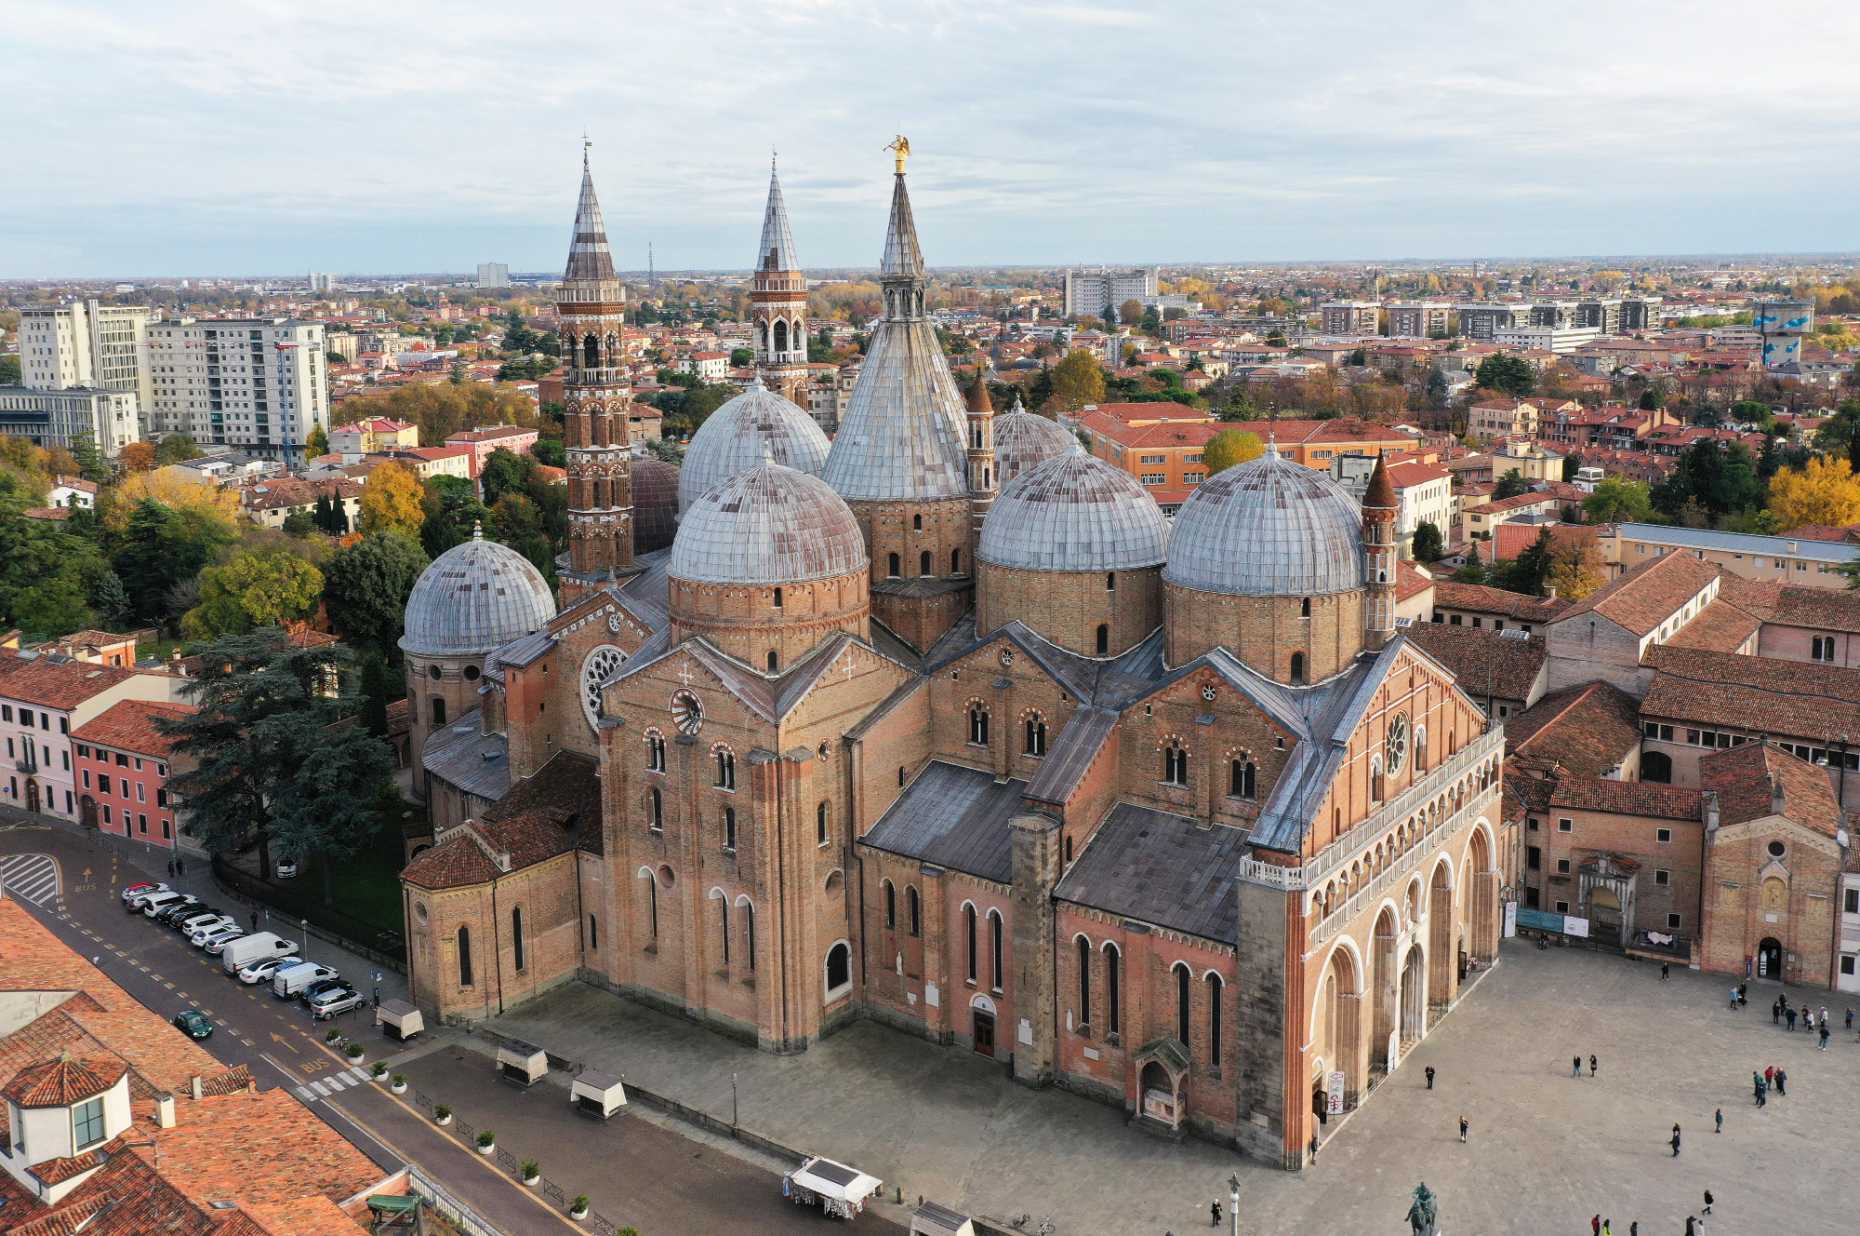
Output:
x=776 y=251
x=1381 y=491
x=979 y=403
x=589 y=259
x=903 y=259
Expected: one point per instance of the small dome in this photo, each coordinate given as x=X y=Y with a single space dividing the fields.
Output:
x=655 y=504
x=756 y=425
x=1268 y=527
x=1075 y=513
x=475 y=597
x=1024 y=440
x=769 y=525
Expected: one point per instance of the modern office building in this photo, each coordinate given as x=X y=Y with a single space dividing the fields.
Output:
x=87 y=344
x=1089 y=291
x=321 y=281
x=61 y=417
x=1482 y=321
x=259 y=384
x=1565 y=338
x=493 y=275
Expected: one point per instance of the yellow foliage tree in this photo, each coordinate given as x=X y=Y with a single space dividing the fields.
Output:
x=1077 y=381
x=1230 y=447
x=392 y=501
x=171 y=488
x=1825 y=491
x=1575 y=569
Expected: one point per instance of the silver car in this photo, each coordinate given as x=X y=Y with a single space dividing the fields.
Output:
x=335 y=1000
x=221 y=938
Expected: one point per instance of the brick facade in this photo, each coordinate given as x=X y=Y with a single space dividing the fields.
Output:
x=1326 y=631
x=1069 y=607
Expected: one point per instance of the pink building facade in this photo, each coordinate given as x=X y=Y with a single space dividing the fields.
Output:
x=43 y=699
x=122 y=763
x=481 y=442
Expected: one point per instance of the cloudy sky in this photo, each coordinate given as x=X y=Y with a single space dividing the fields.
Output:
x=262 y=136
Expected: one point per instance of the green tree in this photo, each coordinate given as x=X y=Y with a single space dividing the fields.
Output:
x=253 y=590
x=317 y=443
x=176 y=448
x=1230 y=447
x=739 y=357
x=1504 y=372
x=89 y=459
x=299 y=524
x=519 y=524
x=1510 y=485
x=110 y=599
x=1527 y=572
x=375 y=688
x=160 y=547
x=504 y=472
x=47 y=576
x=550 y=451
x=1077 y=381
x=1617 y=500
x=1840 y=434
x=9 y=371
x=1428 y=545
x=329 y=802
x=365 y=589
x=452 y=510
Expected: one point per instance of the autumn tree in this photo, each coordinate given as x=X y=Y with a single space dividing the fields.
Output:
x=137 y=456
x=317 y=443
x=176 y=448
x=392 y=501
x=253 y=590
x=1230 y=447
x=209 y=503
x=1824 y=491
x=1130 y=312
x=1077 y=381
x=1576 y=569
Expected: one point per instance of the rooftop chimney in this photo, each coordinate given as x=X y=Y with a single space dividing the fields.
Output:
x=164 y=1111
x=196 y=1085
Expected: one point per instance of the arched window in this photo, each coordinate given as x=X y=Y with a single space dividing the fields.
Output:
x=590 y=353
x=1084 y=981
x=1182 y=988
x=655 y=810
x=778 y=598
x=1215 y=988
x=594 y=934
x=1242 y=778
x=820 y=823
x=917 y=523
x=955 y=562
x=464 y=957
x=1175 y=765
x=923 y=563
x=1377 y=783
x=912 y=908
x=1298 y=667
x=1104 y=638
x=891 y=565
x=723 y=922
x=839 y=970
x=900 y=775
x=652 y=909
x=749 y=935
x=978 y=725
x=1110 y=581
x=968 y=928
x=781 y=335
x=729 y=829
x=1035 y=735
x=1113 y=990
x=996 y=949
x=1420 y=748
x=439 y=710
x=726 y=769
x=891 y=905
x=1656 y=766
x=655 y=753
x=774 y=661
x=516 y=936
x=1068 y=847
x=1304 y=607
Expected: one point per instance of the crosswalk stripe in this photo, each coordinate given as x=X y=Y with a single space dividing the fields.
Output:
x=303 y=1092
x=336 y=1081
x=321 y=1089
x=359 y=1074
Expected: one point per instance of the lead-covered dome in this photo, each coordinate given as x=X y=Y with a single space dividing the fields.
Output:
x=769 y=525
x=655 y=504
x=1025 y=440
x=475 y=597
x=1075 y=512
x=1268 y=527
x=758 y=424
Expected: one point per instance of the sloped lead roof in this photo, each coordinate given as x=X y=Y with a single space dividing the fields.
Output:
x=1268 y=527
x=1075 y=513
x=769 y=525
x=1023 y=441
x=776 y=252
x=589 y=259
x=903 y=259
x=757 y=426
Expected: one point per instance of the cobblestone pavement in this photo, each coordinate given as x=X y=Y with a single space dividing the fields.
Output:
x=1546 y=1151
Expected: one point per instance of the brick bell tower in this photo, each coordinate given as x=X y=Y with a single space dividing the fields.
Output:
x=981 y=454
x=591 y=310
x=1380 y=509
x=778 y=303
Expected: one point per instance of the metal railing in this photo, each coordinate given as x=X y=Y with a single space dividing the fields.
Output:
x=1423 y=849
x=456 y=1212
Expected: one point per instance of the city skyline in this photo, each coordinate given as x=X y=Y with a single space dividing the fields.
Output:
x=1046 y=135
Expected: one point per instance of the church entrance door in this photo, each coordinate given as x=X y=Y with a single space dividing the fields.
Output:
x=1769 y=959
x=984 y=1033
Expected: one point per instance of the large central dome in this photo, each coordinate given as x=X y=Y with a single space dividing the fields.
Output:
x=769 y=525
x=1268 y=527
x=1075 y=513
x=757 y=425
x=475 y=597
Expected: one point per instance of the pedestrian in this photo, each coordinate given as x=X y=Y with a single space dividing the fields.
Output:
x=1575 y=1067
x=1595 y=1225
x=1782 y=1082
x=1776 y=1012
x=1314 y=1147
x=1463 y=1128
x=1692 y=1226
x=1634 y=1228
x=180 y=867
x=1824 y=1034
x=1215 y=1211
x=1850 y=1019
x=1763 y=1095
x=1708 y=1201
x=1806 y=1015
x=254 y=917
x=1790 y=1018
x=1664 y=967
x=1769 y=1073
x=1718 y=1120
x=1824 y=1015
x=1591 y=1065
x=1608 y=1227
x=1430 y=1077
x=1675 y=1143
x=1733 y=997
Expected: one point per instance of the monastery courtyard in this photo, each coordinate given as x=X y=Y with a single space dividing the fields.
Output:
x=1546 y=1151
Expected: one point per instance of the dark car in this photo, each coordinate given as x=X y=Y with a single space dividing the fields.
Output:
x=178 y=921
x=186 y=905
x=194 y=1024
x=317 y=988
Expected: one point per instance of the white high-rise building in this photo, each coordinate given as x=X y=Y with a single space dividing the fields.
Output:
x=87 y=344
x=1089 y=291
x=258 y=384
x=321 y=281
x=493 y=275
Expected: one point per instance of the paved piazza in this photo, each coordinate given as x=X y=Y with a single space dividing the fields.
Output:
x=1546 y=1152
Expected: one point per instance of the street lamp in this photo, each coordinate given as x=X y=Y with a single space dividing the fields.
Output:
x=305 y=924
x=1233 y=1201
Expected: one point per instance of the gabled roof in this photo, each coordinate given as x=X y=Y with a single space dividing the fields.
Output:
x=1759 y=779
x=133 y=725
x=1484 y=661
x=553 y=811
x=1648 y=595
x=1451 y=594
x=954 y=817
x=1586 y=728
x=1762 y=694
x=56 y=681
x=1160 y=868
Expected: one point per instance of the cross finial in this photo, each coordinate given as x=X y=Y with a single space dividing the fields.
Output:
x=771 y=160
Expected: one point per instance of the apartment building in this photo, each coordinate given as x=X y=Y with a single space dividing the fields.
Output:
x=1503 y=418
x=43 y=698
x=1545 y=338
x=1484 y=320
x=1164 y=456
x=493 y=275
x=123 y=765
x=259 y=384
x=1351 y=317
x=482 y=442
x=61 y=417
x=1419 y=319
x=1784 y=559
x=1089 y=291
x=87 y=344
x=374 y=433
x=1423 y=493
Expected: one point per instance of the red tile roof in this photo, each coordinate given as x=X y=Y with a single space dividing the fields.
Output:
x=1764 y=695
x=1587 y=729
x=62 y=1082
x=553 y=811
x=1478 y=598
x=1720 y=626
x=1485 y=662
x=1646 y=798
x=1759 y=779
x=1648 y=595
x=54 y=682
x=132 y=726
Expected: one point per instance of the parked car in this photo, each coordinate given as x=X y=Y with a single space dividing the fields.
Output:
x=151 y=906
x=196 y=916
x=253 y=947
x=198 y=935
x=290 y=980
x=310 y=991
x=194 y=1024
x=260 y=971
x=286 y=869
x=142 y=888
x=221 y=938
x=334 y=1000
x=171 y=916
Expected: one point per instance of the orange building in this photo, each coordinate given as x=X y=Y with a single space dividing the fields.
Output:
x=1315 y=443
x=1165 y=455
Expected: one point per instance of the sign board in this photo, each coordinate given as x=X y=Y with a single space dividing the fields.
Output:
x=1334 y=1094
x=1575 y=926
x=1511 y=919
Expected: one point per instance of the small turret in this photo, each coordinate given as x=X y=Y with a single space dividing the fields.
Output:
x=981 y=427
x=1380 y=511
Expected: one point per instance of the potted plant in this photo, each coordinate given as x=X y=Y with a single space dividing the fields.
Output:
x=353 y=1051
x=398 y=1083
x=442 y=1115
x=487 y=1141
x=379 y=1069
x=331 y=1035
x=532 y=1172
x=578 y=1209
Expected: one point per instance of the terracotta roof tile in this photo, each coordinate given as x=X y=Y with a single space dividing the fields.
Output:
x=553 y=811
x=1478 y=598
x=1485 y=662
x=1761 y=694
x=1587 y=728
x=1648 y=595
x=1667 y=802
x=131 y=726
x=1720 y=626
x=1759 y=779
x=62 y=1082
x=54 y=682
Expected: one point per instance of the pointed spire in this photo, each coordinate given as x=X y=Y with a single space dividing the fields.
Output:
x=776 y=251
x=1381 y=491
x=903 y=259
x=1018 y=406
x=979 y=403
x=589 y=258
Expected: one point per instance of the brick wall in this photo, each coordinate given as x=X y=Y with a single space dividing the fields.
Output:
x=1067 y=607
x=1265 y=632
x=747 y=624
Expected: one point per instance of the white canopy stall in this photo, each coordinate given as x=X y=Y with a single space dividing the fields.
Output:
x=839 y=1190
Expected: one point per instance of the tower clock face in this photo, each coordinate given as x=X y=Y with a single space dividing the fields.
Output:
x=687 y=713
x=1398 y=743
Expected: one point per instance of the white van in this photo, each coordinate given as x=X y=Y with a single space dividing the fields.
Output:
x=289 y=980
x=248 y=949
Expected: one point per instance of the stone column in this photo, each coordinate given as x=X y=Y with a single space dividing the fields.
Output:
x=1035 y=843
x=763 y=817
x=1485 y=911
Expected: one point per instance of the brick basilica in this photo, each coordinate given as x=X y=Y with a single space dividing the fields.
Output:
x=1171 y=816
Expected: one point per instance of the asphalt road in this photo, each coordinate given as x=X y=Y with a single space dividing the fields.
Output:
x=638 y=1172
